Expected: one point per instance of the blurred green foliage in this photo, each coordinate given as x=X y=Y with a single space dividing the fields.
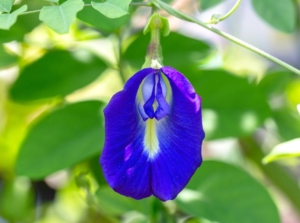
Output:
x=53 y=89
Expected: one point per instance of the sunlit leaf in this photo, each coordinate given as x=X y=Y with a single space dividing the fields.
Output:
x=293 y=92
x=61 y=139
x=205 y=4
x=59 y=18
x=44 y=79
x=96 y=19
x=112 y=8
x=17 y=201
x=224 y=193
x=280 y=14
x=22 y=26
x=287 y=149
x=5 y=5
x=7 y=20
x=6 y=59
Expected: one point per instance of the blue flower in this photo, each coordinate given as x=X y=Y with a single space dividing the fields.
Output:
x=153 y=135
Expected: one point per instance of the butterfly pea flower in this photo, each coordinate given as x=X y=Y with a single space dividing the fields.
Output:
x=153 y=135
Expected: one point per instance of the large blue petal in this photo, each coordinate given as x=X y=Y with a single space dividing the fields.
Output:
x=156 y=157
x=180 y=136
x=126 y=167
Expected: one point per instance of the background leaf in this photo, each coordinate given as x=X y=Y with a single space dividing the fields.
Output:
x=6 y=59
x=287 y=122
x=96 y=19
x=280 y=14
x=20 y=28
x=5 y=5
x=16 y=200
x=183 y=57
x=205 y=4
x=45 y=79
x=116 y=204
x=274 y=83
x=287 y=149
x=7 y=20
x=231 y=106
x=61 y=139
x=224 y=193
x=112 y=8
x=59 y=18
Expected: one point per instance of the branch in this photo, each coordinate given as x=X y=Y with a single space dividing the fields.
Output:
x=188 y=18
x=147 y=4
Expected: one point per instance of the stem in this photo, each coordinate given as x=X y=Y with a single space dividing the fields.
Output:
x=120 y=59
x=216 y=18
x=154 y=52
x=188 y=18
x=147 y=4
x=231 y=11
x=283 y=180
x=30 y=12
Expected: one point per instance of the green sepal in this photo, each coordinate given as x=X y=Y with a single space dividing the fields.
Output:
x=157 y=22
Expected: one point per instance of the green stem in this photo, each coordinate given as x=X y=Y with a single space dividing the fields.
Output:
x=188 y=18
x=147 y=4
x=216 y=18
x=231 y=11
x=283 y=180
x=29 y=12
x=154 y=52
x=120 y=59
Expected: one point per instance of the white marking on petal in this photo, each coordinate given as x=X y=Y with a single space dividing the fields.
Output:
x=155 y=64
x=151 y=144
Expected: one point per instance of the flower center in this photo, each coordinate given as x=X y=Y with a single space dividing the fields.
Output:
x=154 y=103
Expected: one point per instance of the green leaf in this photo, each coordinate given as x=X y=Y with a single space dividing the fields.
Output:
x=287 y=149
x=61 y=139
x=5 y=5
x=113 y=203
x=112 y=8
x=280 y=14
x=206 y=4
x=59 y=18
x=231 y=106
x=7 y=20
x=224 y=193
x=6 y=59
x=17 y=200
x=23 y=26
x=182 y=57
x=288 y=123
x=96 y=19
x=45 y=79
x=275 y=82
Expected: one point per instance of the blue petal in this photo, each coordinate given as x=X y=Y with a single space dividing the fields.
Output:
x=180 y=136
x=125 y=165
x=149 y=98
x=144 y=156
x=163 y=106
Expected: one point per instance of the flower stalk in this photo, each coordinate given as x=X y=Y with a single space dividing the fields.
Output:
x=156 y=25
